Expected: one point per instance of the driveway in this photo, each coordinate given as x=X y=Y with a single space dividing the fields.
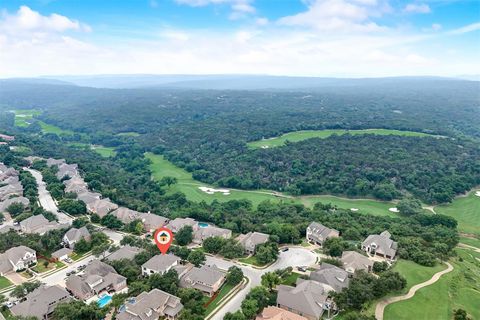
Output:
x=59 y=276
x=46 y=200
x=291 y=258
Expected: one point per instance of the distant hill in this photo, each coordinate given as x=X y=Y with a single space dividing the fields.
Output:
x=226 y=82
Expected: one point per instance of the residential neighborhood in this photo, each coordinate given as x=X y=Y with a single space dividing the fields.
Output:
x=96 y=280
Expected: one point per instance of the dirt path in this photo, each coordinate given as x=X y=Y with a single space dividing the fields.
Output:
x=463 y=245
x=385 y=302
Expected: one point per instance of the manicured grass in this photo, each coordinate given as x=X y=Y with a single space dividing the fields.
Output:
x=40 y=268
x=50 y=128
x=76 y=256
x=307 y=134
x=415 y=273
x=105 y=152
x=23 y=117
x=252 y=260
x=466 y=210
x=161 y=168
x=224 y=290
x=4 y=282
x=370 y=206
x=457 y=289
x=128 y=134
x=59 y=264
x=291 y=279
x=470 y=241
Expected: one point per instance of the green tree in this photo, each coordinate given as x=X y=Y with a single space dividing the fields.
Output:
x=196 y=257
x=73 y=207
x=266 y=253
x=15 y=209
x=213 y=245
x=184 y=236
x=460 y=314
x=234 y=275
x=75 y=310
x=249 y=308
x=22 y=290
x=168 y=181
x=111 y=222
x=238 y=315
x=409 y=206
x=270 y=280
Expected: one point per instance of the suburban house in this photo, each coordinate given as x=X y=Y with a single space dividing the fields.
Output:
x=380 y=245
x=97 y=277
x=204 y=233
x=74 y=235
x=76 y=185
x=309 y=299
x=251 y=240
x=67 y=170
x=353 y=261
x=155 y=304
x=17 y=258
x=5 y=204
x=10 y=189
x=88 y=196
x=55 y=162
x=101 y=207
x=332 y=276
x=161 y=264
x=126 y=252
x=6 y=137
x=62 y=254
x=39 y=224
x=317 y=233
x=207 y=279
x=276 y=313
x=150 y=221
x=178 y=223
x=41 y=302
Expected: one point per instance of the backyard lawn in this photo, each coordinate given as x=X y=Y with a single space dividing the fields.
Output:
x=4 y=282
x=308 y=134
x=41 y=268
x=291 y=279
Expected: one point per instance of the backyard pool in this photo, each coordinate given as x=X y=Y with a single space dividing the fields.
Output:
x=104 y=300
x=203 y=224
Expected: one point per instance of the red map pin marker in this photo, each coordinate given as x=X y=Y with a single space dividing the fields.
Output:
x=163 y=239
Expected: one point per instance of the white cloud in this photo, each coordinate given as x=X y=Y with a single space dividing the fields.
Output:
x=338 y=15
x=26 y=51
x=153 y=3
x=417 y=8
x=468 y=28
x=240 y=8
x=436 y=26
x=26 y=19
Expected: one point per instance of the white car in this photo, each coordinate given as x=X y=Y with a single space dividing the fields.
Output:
x=9 y=304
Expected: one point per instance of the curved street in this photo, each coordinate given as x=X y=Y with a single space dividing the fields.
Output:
x=291 y=258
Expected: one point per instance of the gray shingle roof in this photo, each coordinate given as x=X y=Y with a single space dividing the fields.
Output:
x=178 y=223
x=126 y=252
x=308 y=297
x=40 y=302
x=161 y=262
x=75 y=234
x=252 y=239
x=384 y=245
x=61 y=252
x=332 y=276
x=151 y=306
x=319 y=232
x=202 y=278
x=353 y=261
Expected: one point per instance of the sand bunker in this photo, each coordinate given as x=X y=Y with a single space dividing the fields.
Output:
x=393 y=210
x=477 y=193
x=208 y=190
x=354 y=209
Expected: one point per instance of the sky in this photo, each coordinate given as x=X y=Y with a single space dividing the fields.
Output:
x=325 y=38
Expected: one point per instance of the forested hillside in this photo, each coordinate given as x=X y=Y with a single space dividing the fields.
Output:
x=206 y=132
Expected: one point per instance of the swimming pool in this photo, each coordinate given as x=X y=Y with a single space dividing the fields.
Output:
x=104 y=300
x=203 y=224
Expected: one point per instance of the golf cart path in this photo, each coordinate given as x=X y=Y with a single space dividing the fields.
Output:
x=380 y=308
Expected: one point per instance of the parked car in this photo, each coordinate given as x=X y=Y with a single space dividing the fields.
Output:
x=9 y=304
x=302 y=268
x=284 y=249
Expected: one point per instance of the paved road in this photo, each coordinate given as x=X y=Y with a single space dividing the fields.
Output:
x=46 y=200
x=291 y=258
x=380 y=308
x=59 y=276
